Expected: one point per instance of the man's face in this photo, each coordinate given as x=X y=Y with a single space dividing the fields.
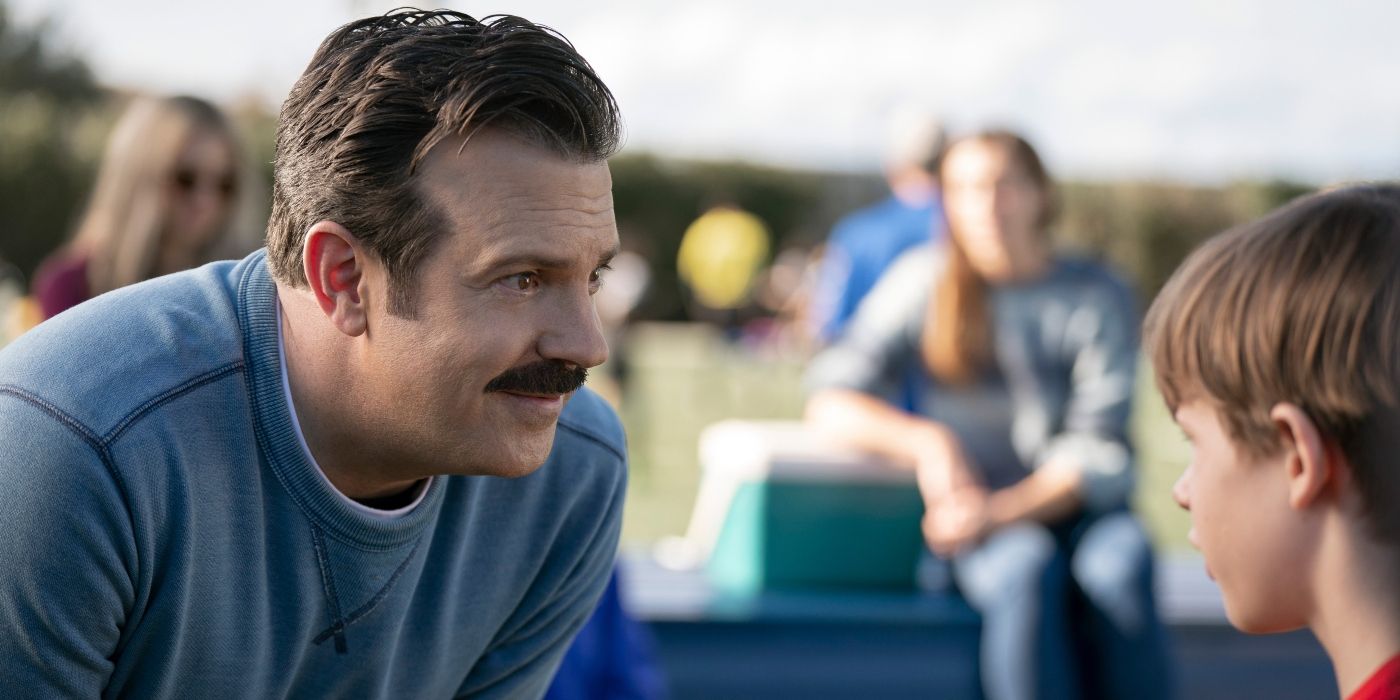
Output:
x=508 y=286
x=1242 y=523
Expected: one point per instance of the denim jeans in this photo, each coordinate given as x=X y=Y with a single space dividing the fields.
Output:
x=1068 y=611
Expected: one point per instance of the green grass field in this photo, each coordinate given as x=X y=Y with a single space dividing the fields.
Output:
x=684 y=377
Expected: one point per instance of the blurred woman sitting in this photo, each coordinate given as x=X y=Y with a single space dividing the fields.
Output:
x=1022 y=366
x=164 y=200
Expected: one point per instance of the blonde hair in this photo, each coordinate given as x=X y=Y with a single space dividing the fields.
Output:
x=122 y=229
x=957 y=338
x=1301 y=306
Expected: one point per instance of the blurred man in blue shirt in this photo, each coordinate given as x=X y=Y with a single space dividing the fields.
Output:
x=865 y=242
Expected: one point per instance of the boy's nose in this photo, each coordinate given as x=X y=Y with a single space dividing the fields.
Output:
x=1181 y=490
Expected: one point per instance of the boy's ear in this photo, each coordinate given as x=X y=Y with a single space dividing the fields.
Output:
x=1309 y=465
x=334 y=264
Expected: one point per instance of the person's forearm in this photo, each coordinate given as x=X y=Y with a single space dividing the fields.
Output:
x=1046 y=496
x=875 y=426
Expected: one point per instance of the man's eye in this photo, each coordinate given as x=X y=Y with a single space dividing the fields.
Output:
x=522 y=282
x=596 y=278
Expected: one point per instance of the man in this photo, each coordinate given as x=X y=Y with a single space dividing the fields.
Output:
x=1275 y=345
x=282 y=477
x=866 y=241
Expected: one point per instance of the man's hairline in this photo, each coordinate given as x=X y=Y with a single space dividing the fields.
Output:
x=415 y=183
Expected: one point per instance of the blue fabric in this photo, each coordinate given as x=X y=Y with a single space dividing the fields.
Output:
x=1067 y=611
x=860 y=247
x=165 y=535
x=612 y=658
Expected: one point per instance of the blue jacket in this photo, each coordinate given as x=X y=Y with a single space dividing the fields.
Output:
x=862 y=245
x=165 y=535
x=612 y=658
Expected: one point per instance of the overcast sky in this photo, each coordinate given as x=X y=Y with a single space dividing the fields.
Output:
x=1205 y=90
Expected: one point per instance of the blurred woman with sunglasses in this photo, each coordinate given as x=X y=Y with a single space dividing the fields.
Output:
x=164 y=200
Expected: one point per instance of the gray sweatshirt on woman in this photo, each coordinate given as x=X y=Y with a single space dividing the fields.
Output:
x=1059 y=390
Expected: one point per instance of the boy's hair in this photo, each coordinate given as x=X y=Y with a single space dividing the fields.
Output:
x=1301 y=306
x=381 y=92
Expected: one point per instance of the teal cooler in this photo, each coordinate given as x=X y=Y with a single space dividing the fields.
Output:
x=801 y=514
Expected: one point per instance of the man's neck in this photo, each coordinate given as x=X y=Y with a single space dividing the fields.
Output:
x=913 y=188
x=335 y=444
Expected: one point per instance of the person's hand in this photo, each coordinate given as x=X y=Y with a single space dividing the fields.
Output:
x=957 y=521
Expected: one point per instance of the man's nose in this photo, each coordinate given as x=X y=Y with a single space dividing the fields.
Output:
x=575 y=335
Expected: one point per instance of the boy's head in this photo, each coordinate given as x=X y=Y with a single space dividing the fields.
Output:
x=1275 y=345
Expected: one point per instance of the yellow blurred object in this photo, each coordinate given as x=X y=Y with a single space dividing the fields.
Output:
x=720 y=256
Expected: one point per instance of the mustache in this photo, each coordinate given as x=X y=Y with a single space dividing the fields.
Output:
x=543 y=377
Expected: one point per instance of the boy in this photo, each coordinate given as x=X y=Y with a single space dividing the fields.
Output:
x=1276 y=348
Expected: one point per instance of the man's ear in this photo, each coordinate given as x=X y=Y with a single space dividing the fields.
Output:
x=334 y=264
x=1309 y=464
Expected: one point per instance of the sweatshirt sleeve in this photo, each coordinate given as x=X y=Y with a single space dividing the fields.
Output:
x=869 y=353
x=522 y=659
x=67 y=553
x=1102 y=335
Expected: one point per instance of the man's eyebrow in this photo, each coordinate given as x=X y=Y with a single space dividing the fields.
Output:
x=543 y=260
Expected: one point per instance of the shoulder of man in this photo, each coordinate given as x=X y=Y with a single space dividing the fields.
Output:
x=589 y=418
x=860 y=221
x=102 y=361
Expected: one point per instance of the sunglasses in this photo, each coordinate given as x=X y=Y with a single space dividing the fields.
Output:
x=188 y=180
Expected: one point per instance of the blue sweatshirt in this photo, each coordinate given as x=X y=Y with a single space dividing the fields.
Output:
x=165 y=534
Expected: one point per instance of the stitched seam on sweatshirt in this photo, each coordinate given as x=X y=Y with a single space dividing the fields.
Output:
x=87 y=435
x=337 y=628
x=73 y=424
x=81 y=430
x=374 y=602
x=170 y=395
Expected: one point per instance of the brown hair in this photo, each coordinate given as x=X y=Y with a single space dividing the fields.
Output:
x=1301 y=306
x=957 y=337
x=382 y=92
x=123 y=227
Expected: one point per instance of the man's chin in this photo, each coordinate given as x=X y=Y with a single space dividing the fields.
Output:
x=525 y=457
x=519 y=470
x=507 y=445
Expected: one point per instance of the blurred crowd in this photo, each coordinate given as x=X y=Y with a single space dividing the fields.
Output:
x=172 y=192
